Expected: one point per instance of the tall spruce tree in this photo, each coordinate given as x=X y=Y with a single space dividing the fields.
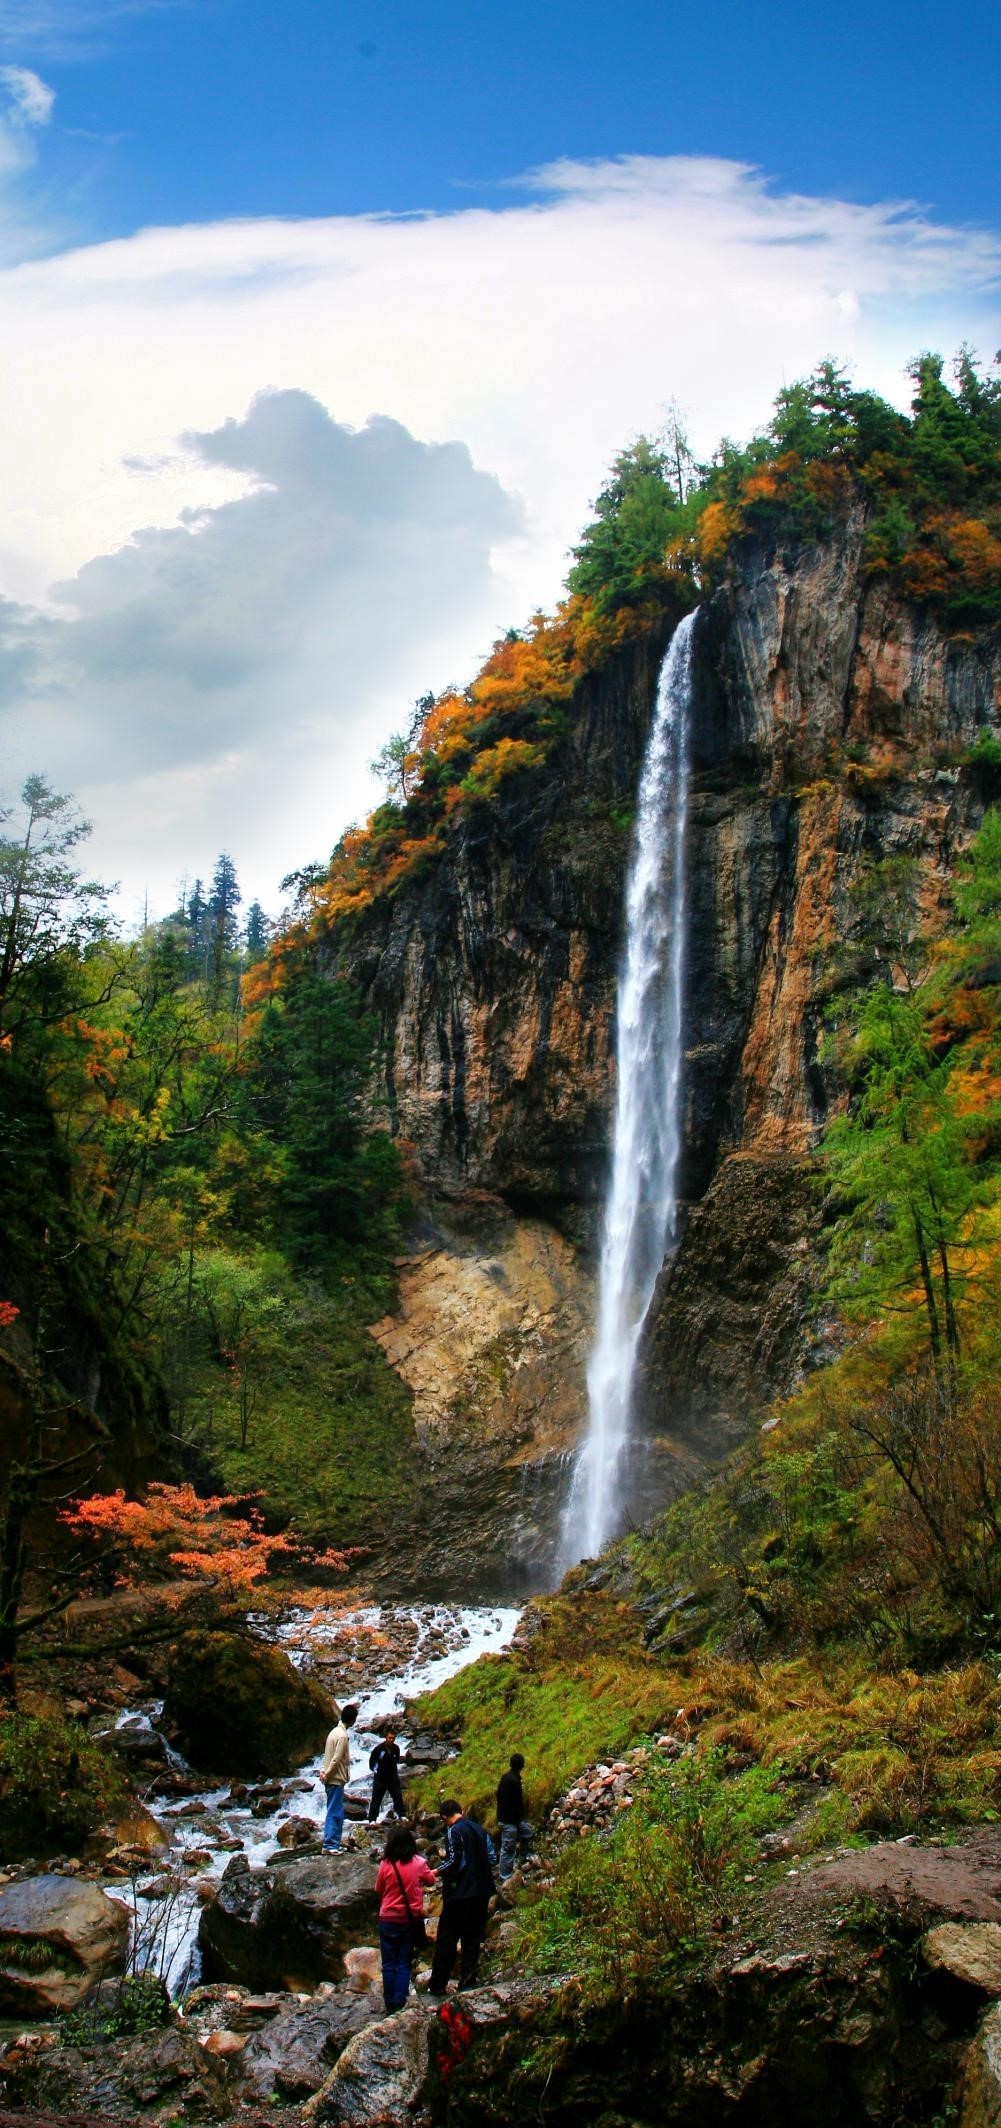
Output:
x=257 y=932
x=224 y=901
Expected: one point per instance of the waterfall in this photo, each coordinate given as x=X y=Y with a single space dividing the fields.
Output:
x=641 y=1209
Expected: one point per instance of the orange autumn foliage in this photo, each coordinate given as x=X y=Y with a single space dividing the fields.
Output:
x=174 y=1530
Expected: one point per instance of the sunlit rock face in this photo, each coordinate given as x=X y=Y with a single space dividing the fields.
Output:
x=829 y=724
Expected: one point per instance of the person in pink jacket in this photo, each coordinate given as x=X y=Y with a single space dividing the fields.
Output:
x=399 y=1884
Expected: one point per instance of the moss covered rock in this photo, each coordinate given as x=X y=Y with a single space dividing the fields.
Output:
x=57 y=1785
x=239 y=1706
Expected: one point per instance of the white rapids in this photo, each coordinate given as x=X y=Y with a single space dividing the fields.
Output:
x=640 y=1222
x=448 y=1638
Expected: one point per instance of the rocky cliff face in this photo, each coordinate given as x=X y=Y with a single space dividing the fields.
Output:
x=829 y=725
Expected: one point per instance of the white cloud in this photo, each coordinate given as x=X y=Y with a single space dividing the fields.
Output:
x=25 y=104
x=542 y=333
x=30 y=98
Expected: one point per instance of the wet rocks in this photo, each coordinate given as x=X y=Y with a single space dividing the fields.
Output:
x=383 y=2077
x=163 y=2075
x=292 y=2054
x=289 y=1925
x=395 y=2073
x=58 y=1937
x=298 y=1832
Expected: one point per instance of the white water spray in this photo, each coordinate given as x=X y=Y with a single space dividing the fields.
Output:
x=641 y=1210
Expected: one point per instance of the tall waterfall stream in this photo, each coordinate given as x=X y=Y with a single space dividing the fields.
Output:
x=641 y=1207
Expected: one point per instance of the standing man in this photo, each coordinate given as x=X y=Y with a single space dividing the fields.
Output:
x=334 y=1772
x=515 y=1830
x=467 y=1882
x=385 y=1764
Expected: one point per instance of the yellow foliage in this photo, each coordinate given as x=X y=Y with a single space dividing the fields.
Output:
x=719 y=523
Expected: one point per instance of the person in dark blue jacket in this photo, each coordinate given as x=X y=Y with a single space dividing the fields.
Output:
x=467 y=1883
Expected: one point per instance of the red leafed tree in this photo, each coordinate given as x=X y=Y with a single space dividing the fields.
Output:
x=174 y=1532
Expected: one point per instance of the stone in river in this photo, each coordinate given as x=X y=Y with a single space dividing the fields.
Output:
x=298 y=1832
x=289 y=1925
x=240 y=1706
x=83 y=1931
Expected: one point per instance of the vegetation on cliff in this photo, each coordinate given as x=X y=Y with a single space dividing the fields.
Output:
x=665 y=527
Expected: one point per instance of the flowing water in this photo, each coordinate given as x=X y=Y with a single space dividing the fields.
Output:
x=641 y=1207
x=211 y=1825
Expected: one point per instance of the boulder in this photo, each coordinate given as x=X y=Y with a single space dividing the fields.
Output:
x=364 y=1963
x=292 y=2055
x=298 y=1832
x=58 y=1937
x=393 y=2073
x=981 y=2096
x=288 y=1926
x=383 y=2078
x=240 y=1706
x=163 y=2075
x=970 y=1952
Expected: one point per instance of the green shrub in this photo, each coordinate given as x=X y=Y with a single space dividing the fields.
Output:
x=139 y=2004
x=624 y=1908
x=56 y=1785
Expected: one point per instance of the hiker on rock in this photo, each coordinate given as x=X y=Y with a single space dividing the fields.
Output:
x=400 y=1880
x=334 y=1772
x=385 y=1763
x=467 y=1883
x=515 y=1830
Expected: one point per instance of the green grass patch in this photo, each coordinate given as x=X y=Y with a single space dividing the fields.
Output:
x=563 y=1702
x=620 y=1911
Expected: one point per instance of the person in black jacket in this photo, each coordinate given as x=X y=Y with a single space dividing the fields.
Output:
x=384 y=1762
x=515 y=1830
x=467 y=1883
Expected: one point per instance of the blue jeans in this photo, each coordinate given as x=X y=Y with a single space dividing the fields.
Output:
x=334 y=1822
x=397 y=1956
x=513 y=1836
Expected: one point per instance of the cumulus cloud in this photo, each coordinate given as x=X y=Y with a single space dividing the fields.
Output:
x=229 y=637
x=306 y=576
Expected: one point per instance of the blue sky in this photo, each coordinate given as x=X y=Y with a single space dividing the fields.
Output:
x=194 y=109
x=323 y=322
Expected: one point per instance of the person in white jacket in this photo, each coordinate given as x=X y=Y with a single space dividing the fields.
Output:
x=334 y=1772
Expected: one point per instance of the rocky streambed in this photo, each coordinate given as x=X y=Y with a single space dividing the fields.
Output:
x=217 y=1894
x=379 y=1656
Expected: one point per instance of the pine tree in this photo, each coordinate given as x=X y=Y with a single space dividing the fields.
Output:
x=256 y=934
x=224 y=901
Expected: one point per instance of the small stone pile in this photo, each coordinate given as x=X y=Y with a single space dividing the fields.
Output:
x=604 y=1790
